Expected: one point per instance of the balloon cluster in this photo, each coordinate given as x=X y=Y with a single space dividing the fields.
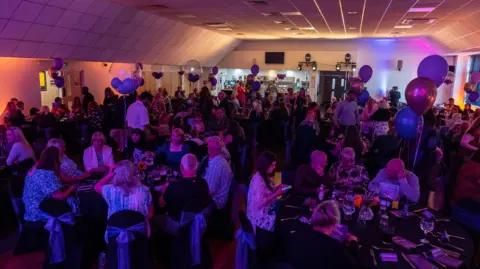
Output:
x=212 y=75
x=357 y=85
x=193 y=77
x=255 y=69
x=53 y=72
x=470 y=87
x=420 y=94
x=281 y=76
x=157 y=75
x=127 y=78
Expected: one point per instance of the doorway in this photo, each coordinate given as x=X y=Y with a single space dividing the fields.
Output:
x=332 y=84
x=72 y=88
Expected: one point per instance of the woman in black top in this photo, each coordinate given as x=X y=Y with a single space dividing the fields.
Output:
x=137 y=145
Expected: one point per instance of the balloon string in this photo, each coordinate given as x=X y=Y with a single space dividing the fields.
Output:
x=125 y=120
x=419 y=138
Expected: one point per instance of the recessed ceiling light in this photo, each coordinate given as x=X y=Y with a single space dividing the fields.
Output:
x=403 y=26
x=422 y=9
x=307 y=28
x=225 y=29
x=291 y=13
x=186 y=16
x=352 y=28
x=292 y=29
x=240 y=34
x=298 y=33
x=218 y=24
x=280 y=22
x=352 y=13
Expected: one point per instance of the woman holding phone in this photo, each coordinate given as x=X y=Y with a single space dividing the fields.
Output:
x=262 y=195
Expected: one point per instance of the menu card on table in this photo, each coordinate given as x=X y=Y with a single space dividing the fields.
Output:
x=389 y=191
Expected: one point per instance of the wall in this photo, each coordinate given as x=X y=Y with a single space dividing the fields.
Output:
x=19 y=78
x=48 y=96
x=381 y=54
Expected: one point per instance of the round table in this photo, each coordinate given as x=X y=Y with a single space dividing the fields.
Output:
x=370 y=234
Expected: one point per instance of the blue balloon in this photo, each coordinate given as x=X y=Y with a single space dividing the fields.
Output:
x=59 y=82
x=128 y=86
x=116 y=82
x=256 y=86
x=406 y=123
x=363 y=98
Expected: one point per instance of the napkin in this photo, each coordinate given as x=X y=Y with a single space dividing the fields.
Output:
x=389 y=257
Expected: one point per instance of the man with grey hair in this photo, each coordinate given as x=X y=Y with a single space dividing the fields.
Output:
x=217 y=172
x=311 y=176
x=348 y=174
x=190 y=193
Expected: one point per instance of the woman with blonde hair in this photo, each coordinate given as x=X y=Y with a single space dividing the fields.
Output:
x=380 y=118
x=68 y=169
x=20 y=150
x=173 y=152
x=471 y=140
x=122 y=190
x=318 y=249
x=98 y=157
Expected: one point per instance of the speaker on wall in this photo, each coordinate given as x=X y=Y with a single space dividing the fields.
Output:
x=451 y=68
x=399 y=65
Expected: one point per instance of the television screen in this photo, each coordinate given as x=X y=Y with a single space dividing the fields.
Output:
x=274 y=57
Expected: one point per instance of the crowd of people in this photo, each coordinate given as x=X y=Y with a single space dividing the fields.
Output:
x=199 y=136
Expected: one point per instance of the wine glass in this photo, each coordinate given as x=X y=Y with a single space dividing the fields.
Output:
x=348 y=209
x=427 y=225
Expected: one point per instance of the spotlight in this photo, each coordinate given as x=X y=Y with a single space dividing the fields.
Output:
x=299 y=67
x=337 y=67
x=314 y=66
x=354 y=68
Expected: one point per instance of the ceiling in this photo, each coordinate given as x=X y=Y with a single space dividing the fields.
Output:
x=99 y=30
x=273 y=19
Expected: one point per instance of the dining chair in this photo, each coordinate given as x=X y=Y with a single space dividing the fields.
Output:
x=127 y=241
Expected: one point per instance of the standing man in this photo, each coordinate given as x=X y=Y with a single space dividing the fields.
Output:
x=346 y=113
x=137 y=113
x=87 y=97
x=394 y=95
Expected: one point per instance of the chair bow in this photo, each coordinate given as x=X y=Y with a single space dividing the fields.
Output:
x=124 y=237
x=199 y=225
x=245 y=242
x=56 y=239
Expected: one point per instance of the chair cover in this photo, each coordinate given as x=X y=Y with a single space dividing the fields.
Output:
x=467 y=213
x=127 y=240
x=56 y=240
x=245 y=243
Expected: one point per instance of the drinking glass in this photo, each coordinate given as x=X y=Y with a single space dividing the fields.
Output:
x=348 y=209
x=427 y=225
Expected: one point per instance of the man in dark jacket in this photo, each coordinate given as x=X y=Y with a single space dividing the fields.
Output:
x=87 y=97
x=394 y=95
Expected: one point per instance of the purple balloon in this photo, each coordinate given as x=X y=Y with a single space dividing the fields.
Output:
x=128 y=86
x=159 y=75
x=116 y=82
x=59 y=82
x=475 y=77
x=406 y=123
x=181 y=73
x=213 y=81
x=215 y=70
x=154 y=74
x=434 y=67
x=255 y=69
x=365 y=73
x=57 y=63
x=420 y=95
x=473 y=96
x=196 y=78
x=142 y=82
x=256 y=85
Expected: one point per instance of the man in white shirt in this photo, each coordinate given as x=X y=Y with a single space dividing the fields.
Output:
x=137 y=113
x=263 y=89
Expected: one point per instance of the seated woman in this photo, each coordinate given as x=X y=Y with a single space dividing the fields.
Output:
x=98 y=157
x=380 y=118
x=468 y=181
x=45 y=121
x=20 y=150
x=68 y=169
x=346 y=173
x=173 y=152
x=77 y=108
x=42 y=182
x=122 y=190
x=137 y=146
x=470 y=141
x=318 y=249
x=260 y=203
